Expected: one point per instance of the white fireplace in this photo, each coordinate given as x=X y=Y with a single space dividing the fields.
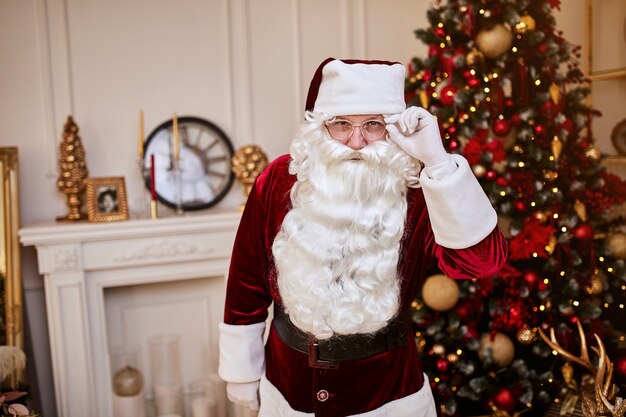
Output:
x=117 y=284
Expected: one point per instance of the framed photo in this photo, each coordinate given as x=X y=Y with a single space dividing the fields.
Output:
x=606 y=39
x=106 y=199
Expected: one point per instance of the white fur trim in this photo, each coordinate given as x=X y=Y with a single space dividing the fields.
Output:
x=361 y=88
x=242 y=354
x=460 y=212
x=419 y=404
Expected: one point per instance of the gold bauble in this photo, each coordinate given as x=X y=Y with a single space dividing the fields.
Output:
x=557 y=147
x=479 y=170
x=526 y=23
x=495 y=41
x=502 y=348
x=595 y=286
x=452 y=357
x=567 y=370
x=581 y=210
x=474 y=58
x=593 y=153
x=617 y=244
x=550 y=175
x=440 y=293
x=551 y=245
x=127 y=382
x=526 y=336
x=509 y=140
x=439 y=349
x=555 y=93
x=424 y=98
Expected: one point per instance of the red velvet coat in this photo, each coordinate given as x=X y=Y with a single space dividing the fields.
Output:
x=357 y=386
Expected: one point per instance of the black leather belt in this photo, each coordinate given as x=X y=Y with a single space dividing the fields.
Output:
x=328 y=353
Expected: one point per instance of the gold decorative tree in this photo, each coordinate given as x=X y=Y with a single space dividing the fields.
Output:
x=247 y=163
x=72 y=171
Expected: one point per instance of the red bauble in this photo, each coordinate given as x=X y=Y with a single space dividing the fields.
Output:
x=473 y=82
x=583 y=233
x=465 y=310
x=543 y=48
x=442 y=365
x=542 y=286
x=501 y=127
x=453 y=144
x=447 y=95
x=504 y=399
x=439 y=32
x=539 y=129
x=567 y=125
x=467 y=74
x=490 y=175
x=502 y=182
x=531 y=278
x=516 y=119
x=471 y=334
x=452 y=130
x=520 y=206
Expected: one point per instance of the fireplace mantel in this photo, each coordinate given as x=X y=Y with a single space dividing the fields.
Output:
x=79 y=261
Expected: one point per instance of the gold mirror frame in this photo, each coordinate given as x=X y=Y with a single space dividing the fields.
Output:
x=597 y=74
x=12 y=333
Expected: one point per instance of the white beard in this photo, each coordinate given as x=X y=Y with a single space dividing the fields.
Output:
x=337 y=251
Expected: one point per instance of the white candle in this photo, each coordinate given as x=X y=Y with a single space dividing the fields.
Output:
x=203 y=406
x=131 y=406
x=168 y=399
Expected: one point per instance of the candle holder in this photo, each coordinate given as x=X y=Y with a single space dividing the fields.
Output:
x=167 y=384
x=127 y=382
x=202 y=403
x=178 y=185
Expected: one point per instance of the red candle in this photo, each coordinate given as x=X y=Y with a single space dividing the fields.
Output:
x=152 y=187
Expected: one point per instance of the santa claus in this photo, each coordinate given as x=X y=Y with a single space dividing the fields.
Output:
x=338 y=236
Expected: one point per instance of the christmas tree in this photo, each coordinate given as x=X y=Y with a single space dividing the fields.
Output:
x=510 y=97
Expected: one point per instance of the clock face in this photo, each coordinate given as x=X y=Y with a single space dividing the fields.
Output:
x=204 y=174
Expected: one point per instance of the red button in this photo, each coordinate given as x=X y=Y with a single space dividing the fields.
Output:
x=322 y=395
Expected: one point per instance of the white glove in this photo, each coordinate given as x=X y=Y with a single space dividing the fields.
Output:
x=244 y=393
x=416 y=131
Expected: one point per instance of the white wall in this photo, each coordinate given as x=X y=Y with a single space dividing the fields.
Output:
x=242 y=64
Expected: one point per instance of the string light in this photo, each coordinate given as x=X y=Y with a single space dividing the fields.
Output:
x=520 y=164
x=562 y=273
x=514 y=49
x=563 y=229
x=537 y=82
x=555 y=216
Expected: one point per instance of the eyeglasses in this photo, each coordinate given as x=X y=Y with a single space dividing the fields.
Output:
x=343 y=129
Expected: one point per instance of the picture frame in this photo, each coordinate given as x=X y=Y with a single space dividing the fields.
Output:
x=609 y=60
x=106 y=199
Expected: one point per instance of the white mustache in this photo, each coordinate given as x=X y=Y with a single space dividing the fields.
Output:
x=373 y=153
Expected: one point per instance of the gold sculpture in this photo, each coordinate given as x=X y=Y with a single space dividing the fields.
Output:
x=247 y=163
x=596 y=393
x=72 y=171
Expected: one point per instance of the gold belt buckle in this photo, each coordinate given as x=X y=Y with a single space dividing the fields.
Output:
x=314 y=360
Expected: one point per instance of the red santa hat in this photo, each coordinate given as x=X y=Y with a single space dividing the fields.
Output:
x=350 y=86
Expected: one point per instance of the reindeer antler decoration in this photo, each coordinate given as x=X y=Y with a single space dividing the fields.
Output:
x=599 y=402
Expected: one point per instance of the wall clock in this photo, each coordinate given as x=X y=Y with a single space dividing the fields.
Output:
x=204 y=163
